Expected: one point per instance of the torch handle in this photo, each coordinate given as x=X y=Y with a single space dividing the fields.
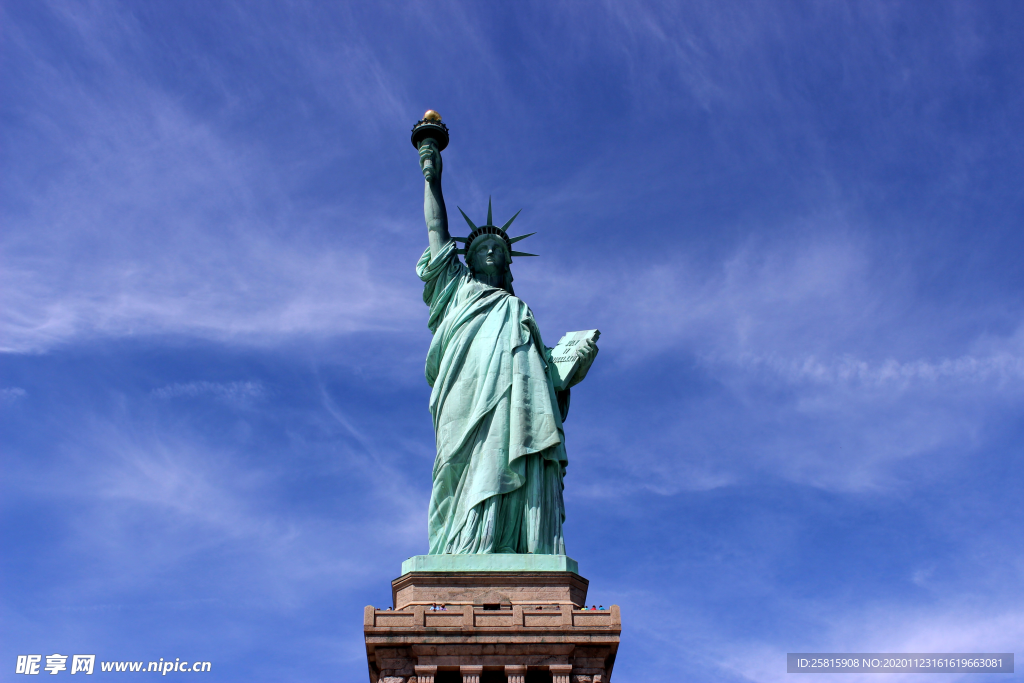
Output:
x=429 y=172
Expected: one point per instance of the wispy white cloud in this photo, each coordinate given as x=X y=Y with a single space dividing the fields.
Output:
x=157 y=219
x=826 y=370
x=234 y=391
x=149 y=497
x=1001 y=368
x=9 y=395
x=820 y=311
x=951 y=628
x=954 y=620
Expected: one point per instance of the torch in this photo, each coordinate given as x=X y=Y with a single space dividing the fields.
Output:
x=430 y=127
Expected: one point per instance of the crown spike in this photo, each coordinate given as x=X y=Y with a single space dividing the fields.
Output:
x=521 y=253
x=459 y=239
x=490 y=221
x=509 y=222
x=466 y=217
x=513 y=240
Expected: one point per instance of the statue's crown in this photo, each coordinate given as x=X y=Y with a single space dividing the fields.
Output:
x=490 y=229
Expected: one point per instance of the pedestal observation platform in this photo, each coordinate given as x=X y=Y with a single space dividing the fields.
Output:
x=507 y=618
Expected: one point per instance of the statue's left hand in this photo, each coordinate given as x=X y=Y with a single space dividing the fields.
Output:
x=587 y=352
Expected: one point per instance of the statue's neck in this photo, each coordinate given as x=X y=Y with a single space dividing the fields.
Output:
x=492 y=280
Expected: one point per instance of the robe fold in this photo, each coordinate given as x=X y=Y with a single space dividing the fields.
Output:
x=497 y=479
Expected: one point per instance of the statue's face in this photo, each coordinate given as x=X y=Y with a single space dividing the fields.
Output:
x=489 y=255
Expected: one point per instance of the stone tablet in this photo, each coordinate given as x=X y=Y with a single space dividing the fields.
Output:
x=565 y=360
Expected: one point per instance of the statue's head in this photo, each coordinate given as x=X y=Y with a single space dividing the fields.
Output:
x=488 y=249
x=488 y=254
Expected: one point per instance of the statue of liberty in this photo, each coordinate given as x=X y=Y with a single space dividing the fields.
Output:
x=497 y=478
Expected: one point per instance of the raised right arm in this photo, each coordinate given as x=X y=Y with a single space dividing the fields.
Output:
x=434 y=211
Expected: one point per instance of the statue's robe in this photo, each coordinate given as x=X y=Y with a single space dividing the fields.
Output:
x=497 y=481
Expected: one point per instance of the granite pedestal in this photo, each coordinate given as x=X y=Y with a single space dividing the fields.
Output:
x=505 y=620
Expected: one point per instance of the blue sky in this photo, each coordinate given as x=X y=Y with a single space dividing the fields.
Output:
x=797 y=225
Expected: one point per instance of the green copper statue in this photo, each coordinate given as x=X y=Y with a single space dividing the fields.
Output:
x=497 y=480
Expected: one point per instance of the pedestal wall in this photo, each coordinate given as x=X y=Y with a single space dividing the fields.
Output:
x=516 y=626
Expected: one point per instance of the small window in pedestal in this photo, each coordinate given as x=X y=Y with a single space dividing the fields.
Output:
x=538 y=676
x=497 y=676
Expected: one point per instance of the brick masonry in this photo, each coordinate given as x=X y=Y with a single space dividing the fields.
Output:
x=499 y=626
